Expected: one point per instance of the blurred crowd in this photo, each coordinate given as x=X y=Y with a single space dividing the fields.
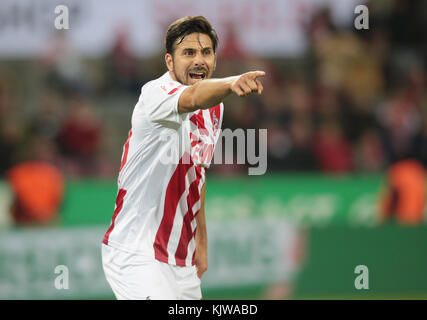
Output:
x=355 y=101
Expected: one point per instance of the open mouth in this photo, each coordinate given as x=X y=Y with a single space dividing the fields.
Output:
x=197 y=75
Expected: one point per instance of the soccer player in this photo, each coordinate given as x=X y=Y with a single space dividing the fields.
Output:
x=156 y=245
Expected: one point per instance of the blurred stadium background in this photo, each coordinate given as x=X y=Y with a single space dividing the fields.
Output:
x=346 y=113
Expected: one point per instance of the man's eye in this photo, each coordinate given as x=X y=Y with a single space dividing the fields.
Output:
x=188 y=53
x=207 y=52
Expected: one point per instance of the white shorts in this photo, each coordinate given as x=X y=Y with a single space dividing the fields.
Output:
x=136 y=277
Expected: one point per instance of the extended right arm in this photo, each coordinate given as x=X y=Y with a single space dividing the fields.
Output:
x=210 y=92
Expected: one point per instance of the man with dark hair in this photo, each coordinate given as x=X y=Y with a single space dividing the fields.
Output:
x=156 y=245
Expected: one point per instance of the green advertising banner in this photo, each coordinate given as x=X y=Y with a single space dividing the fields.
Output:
x=307 y=200
x=291 y=236
x=52 y=263
x=65 y=263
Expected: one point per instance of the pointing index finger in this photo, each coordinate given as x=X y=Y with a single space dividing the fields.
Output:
x=257 y=74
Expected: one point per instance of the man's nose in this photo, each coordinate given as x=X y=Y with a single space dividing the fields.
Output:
x=199 y=60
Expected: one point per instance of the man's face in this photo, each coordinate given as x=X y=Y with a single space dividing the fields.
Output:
x=193 y=59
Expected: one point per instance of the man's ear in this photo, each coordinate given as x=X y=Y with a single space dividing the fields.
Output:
x=169 y=61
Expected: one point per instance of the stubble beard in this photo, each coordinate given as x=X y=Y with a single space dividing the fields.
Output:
x=187 y=83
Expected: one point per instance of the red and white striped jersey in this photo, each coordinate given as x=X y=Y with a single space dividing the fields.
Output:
x=161 y=175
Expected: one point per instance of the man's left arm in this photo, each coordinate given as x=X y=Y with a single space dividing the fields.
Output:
x=201 y=258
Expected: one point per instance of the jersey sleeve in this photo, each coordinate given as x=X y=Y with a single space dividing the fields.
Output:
x=160 y=102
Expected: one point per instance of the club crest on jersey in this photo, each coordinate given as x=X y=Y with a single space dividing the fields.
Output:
x=215 y=123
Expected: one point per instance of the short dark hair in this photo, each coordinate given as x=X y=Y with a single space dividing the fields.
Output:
x=185 y=26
